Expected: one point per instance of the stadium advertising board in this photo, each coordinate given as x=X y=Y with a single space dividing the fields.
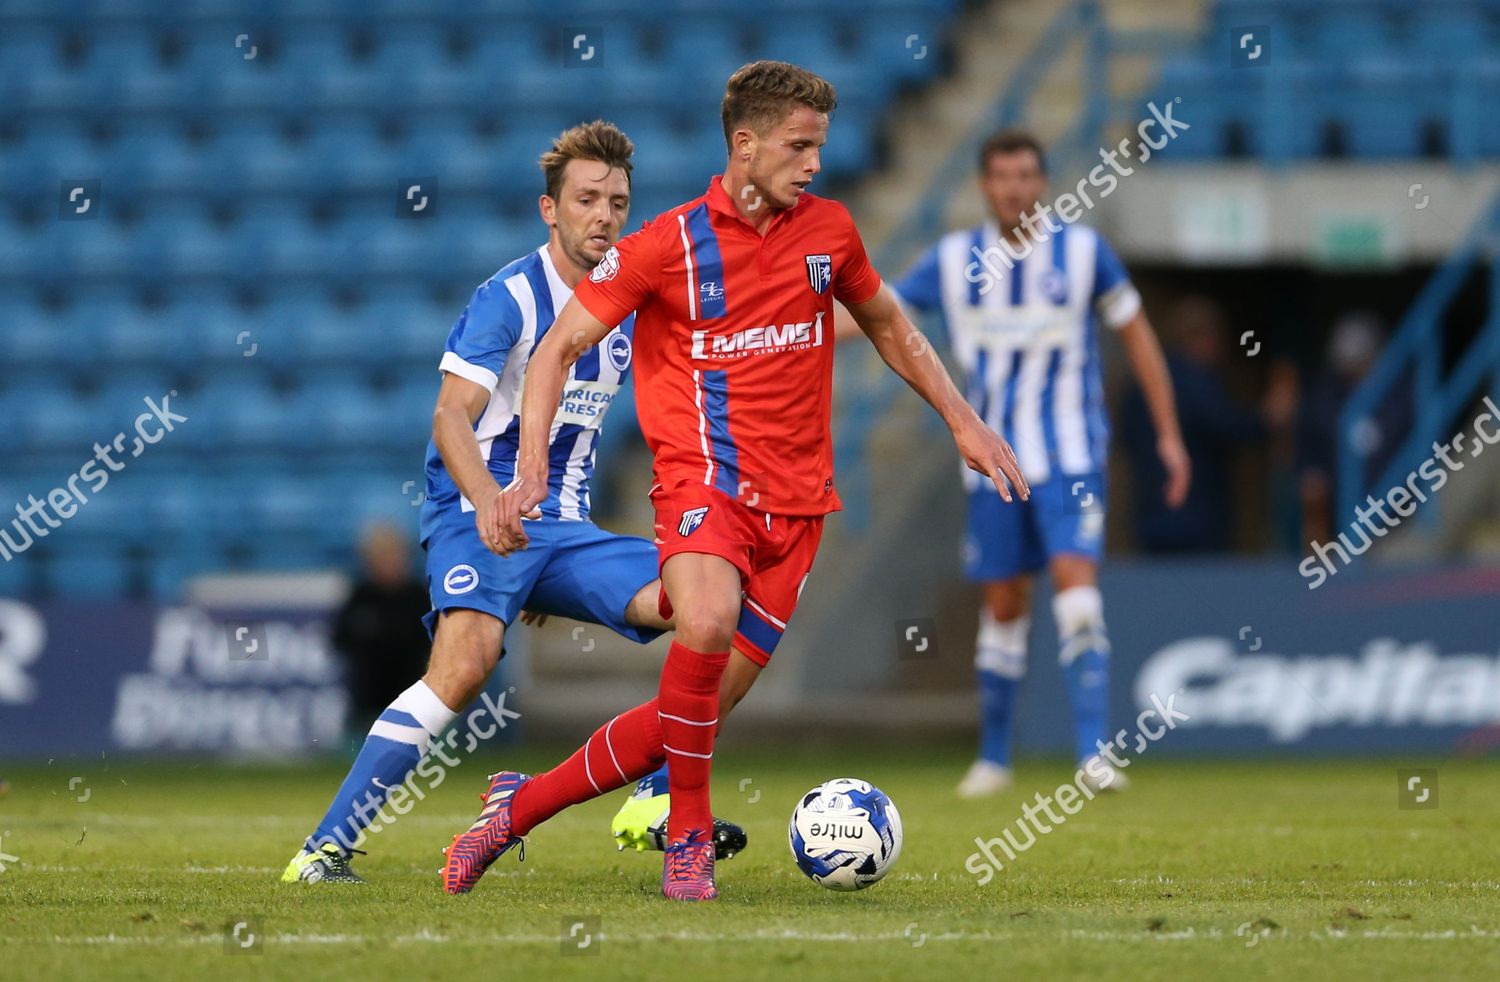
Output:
x=1405 y=662
x=81 y=678
x=1393 y=662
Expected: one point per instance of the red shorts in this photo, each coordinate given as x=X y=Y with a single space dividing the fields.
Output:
x=774 y=554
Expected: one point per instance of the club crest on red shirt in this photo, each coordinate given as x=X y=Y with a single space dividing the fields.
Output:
x=819 y=272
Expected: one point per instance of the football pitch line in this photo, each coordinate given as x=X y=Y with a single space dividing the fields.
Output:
x=1214 y=935
x=494 y=874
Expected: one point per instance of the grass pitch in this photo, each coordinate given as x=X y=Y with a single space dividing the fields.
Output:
x=1244 y=870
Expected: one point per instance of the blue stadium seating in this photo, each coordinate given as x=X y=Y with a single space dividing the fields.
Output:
x=83 y=570
x=246 y=248
x=1358 y=79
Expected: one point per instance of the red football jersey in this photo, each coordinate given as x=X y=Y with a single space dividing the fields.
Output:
x=734 y=343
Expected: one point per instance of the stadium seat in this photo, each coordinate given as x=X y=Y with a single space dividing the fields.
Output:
x=252 y=157
x=255 y=157
x=295 y=553
x=50 y=414
x=348 y=155
x=246 y=412
x=124 y=71
x=1474 y=134
x=129 y=334
x=35 y=338
x=18 y=576
x=703 y=46
x=169 y=570
x=905 y=43
x=30 y=56
x=84 y=570
x=213 y=327
x=1445 y=33
x=407 y=327
x=345 y=408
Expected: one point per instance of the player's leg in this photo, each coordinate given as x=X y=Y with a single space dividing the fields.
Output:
x=474 y=593
x=610 y=580
x=1084 y=653
x=626 y=748
x=644 y=609
x=687 y=698
x=705 y=592
x=781 y=561
x=1001 y=549
x=641 y=822
x=464 y=651
x=1072 y=526
x=708 y=544
x=999 y=667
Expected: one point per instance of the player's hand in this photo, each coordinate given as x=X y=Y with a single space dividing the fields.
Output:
x=487 y=520
x=1179 y=468
x=533 y=619
x=986 y=451
x=519 y=499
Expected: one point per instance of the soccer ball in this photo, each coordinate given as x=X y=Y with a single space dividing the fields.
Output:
x=845 y=834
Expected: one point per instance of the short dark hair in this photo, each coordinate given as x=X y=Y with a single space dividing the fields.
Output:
x=1011 y=141
x=598 y=140
x=762 y=93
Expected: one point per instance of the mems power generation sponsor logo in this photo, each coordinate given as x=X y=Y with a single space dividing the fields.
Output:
x=1386 y=684
x=760 y=340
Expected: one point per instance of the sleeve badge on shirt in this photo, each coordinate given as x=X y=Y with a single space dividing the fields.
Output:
x=819 y=272
x=608 y=266
x=691 y=519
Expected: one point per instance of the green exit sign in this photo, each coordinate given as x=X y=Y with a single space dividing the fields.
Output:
x=1354 y=241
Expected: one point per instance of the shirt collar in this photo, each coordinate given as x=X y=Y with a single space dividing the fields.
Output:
x=718 y=200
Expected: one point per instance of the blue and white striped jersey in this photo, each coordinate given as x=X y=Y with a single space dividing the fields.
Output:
x=1025 y=339
x=491 y=345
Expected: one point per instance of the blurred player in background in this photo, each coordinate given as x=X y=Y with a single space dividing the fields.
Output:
x=574 y=568
x=1021 y=296
x=734 y=293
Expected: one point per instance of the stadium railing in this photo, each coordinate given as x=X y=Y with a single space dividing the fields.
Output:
x=1416 y=353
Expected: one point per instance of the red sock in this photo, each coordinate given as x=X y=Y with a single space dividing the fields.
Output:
x=625 y=749
x=689 y=710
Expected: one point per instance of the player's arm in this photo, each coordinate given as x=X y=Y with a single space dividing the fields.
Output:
x=911 y=356
x=574 y=332
x=459 y=405
x=1150 y=367
x=920 y=289
x=844 y=324
x=475 y=355
x=1118 y=305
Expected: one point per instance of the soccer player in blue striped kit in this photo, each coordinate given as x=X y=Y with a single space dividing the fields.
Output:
x=1021 y=297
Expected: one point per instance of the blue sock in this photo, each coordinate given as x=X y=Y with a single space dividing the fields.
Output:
x=997 y=695
x=1085 y=659
x=1087 y=678
x=1000 y=660
x=396 y=742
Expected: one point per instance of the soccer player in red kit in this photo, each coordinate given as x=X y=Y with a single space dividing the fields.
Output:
x=733 y=294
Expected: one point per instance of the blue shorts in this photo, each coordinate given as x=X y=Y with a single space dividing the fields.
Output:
x=1064 y=515
x=570 y=569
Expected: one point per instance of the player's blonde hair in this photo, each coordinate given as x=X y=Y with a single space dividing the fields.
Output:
x=599 y=140
x=762 y=93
